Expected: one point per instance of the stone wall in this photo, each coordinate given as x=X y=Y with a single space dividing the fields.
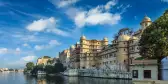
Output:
x=149 y=82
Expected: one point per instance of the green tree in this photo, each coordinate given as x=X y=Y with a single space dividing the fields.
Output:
x=46 y=57
x=154 y=40
x=49 y=69
x=58 y=67
x=29 y=65
x=50 y=61
x=40 y=67
x=37 y=68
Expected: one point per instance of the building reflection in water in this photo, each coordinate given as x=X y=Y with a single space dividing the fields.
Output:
x=87 y=80
x=41 y=79
x=73 y=80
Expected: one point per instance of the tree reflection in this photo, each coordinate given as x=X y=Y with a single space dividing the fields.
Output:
x=72 y=80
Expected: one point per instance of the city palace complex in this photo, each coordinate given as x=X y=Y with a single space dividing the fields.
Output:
x=99 y=53
x=120 y=56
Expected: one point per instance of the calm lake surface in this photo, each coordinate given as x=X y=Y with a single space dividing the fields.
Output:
x=20 y=78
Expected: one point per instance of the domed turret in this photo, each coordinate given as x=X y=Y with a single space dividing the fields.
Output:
x=146 y=19
x=123 y=38
x=77 y=43
x=83 y=37
x=72 y=46
x=133 y=38
x=145 y=22
x=105 y=39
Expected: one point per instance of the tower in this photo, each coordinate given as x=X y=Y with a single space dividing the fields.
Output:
x=145 y=22
x=83 y=42
x=83 y=49
x=105 y=41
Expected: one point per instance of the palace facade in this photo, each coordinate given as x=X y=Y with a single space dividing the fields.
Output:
x=43 y=60
x=100 y=54
x=64 y=57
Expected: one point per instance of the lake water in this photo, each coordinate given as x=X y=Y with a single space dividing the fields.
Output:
x=20 y=78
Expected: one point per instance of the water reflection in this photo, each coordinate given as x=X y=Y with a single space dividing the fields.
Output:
x=87 y=80
x=20 y=78
x=78 y=80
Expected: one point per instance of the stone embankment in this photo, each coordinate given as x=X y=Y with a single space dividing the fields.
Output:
x=98 y=73
x=149 y=82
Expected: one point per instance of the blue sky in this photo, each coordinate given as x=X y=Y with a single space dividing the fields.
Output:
x=33 y=28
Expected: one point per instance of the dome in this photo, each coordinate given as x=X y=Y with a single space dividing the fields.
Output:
x=133 y=38
x=146 y=19
x=77 y=43
x=72 y=46
x=123 y=38
x=105 y=39
x=83 y=37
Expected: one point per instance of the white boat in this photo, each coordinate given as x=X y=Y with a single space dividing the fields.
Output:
x=41 y=73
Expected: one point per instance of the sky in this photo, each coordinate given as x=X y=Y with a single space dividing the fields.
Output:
x=30 y=29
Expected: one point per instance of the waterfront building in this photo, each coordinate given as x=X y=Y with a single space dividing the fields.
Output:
x=64 y=57
x=94 y=53
x=89 y=50
x=144 y=69
x=75 y=56
x=3 y=69
x=44 y=60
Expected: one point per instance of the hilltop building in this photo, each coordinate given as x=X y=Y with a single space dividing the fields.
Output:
x=44 y=60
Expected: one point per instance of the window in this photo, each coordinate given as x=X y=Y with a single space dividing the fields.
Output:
x=137 y=48
x=135 y=73
x=147 y=73
x=132 y=48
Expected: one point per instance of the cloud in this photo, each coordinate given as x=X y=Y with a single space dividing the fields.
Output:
x=110 y=4
x=164 y=1
x=3 y=50
x=63 y=3
x=46 y=25
x=80 y=19
x=39 y=47
x=97 y=19
x=51 y=44
x=54 y=42
x=26 y=45
x=28 y=37
x=16 y=11
x=17 y=51
x=98 y=16
x=29 y=58
x=72 y=12
x=22 y=61
x=42 y=24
